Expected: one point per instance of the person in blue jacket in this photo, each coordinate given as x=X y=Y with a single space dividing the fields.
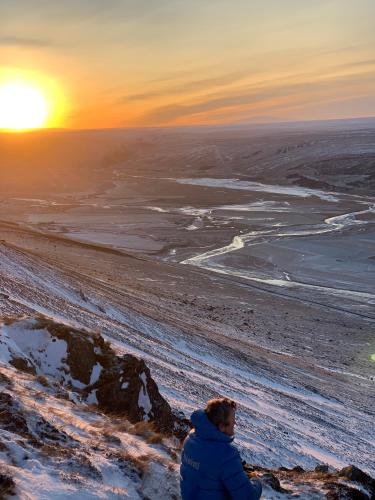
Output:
x=211 y=466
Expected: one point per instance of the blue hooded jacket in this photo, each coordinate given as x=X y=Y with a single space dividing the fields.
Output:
x=211 y=466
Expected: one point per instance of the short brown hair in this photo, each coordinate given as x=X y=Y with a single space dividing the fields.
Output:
x=218 y=410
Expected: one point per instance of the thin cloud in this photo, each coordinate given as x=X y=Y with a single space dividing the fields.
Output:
x=25 y=42
x=254 y=95
x=189 y=86
x=354 y=64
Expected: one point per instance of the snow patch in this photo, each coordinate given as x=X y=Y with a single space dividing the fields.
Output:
x=143 y=398
x=91 y=398
x=95 y=374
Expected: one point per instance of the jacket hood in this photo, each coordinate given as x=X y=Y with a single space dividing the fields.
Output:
x=205 y=429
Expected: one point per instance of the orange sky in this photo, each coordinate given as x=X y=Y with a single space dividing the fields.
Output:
x=120 y=63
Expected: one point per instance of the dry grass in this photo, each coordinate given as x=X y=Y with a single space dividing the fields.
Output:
x=112 y=426
x=9 y=320
x=146 y=430
x=157 y=438
x=43 y=380
x=309 y=476
x=90 y=408
x=54 y=451
x=139 y=462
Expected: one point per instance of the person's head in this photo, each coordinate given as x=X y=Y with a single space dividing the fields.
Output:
x=221 y=413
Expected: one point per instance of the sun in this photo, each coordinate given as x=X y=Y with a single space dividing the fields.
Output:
x=31 y=99
x=22 y=106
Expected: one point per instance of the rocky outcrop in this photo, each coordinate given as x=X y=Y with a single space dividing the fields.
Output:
x=349 y=483
x=7 y=486
x=50 y=445
x=352 y=473
x=87 y=366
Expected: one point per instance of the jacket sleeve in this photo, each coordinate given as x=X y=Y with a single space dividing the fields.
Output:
x=236 y=481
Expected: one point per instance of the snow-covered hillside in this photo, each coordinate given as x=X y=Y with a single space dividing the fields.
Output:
x=54 y=444
x=300 y=404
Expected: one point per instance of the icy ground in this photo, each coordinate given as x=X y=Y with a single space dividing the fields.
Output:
x=54 y=444
x=291 y=411
x=56 y=448
x=297 y=359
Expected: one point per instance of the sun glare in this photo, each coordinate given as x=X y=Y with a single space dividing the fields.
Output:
x=29 y=100
x=22 y=106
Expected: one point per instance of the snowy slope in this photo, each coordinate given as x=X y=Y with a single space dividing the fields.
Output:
x=54 y=444
x=62 y=450
x=290 y=412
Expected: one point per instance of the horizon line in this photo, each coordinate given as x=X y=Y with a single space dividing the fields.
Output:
x=195 y=126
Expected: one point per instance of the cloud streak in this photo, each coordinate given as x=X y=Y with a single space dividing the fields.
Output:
x=169 y=61
x=256 y=95
x=186 y=87
x=25 y=42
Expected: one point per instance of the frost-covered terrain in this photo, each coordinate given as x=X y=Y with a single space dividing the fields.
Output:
x=258 y=284
x=54 y=445
x=299 y=403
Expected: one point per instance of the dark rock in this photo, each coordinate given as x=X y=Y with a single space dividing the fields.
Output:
x=127 y=387
x=298 y=469
x=4 y=380
x=321 y=468
x=11 y=417
x=117 y=385
x=353 y=473
x=344 y=492
x=81 y=355
x=112 y=439
x=182 y=425
x=7 y=485
x=272 y=481
x=304 y=484
x=23 y=365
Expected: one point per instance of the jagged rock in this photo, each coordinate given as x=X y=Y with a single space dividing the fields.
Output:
x=127 y=387
x=331 y=484
x=298 y=469
x=344 y=492
x=86 y=364
x=321 y=468
x=272 y=481
x=182 y=425
x=7 y=486
x=353 y=473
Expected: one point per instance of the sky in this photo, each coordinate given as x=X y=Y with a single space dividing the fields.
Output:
x=122 y=63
